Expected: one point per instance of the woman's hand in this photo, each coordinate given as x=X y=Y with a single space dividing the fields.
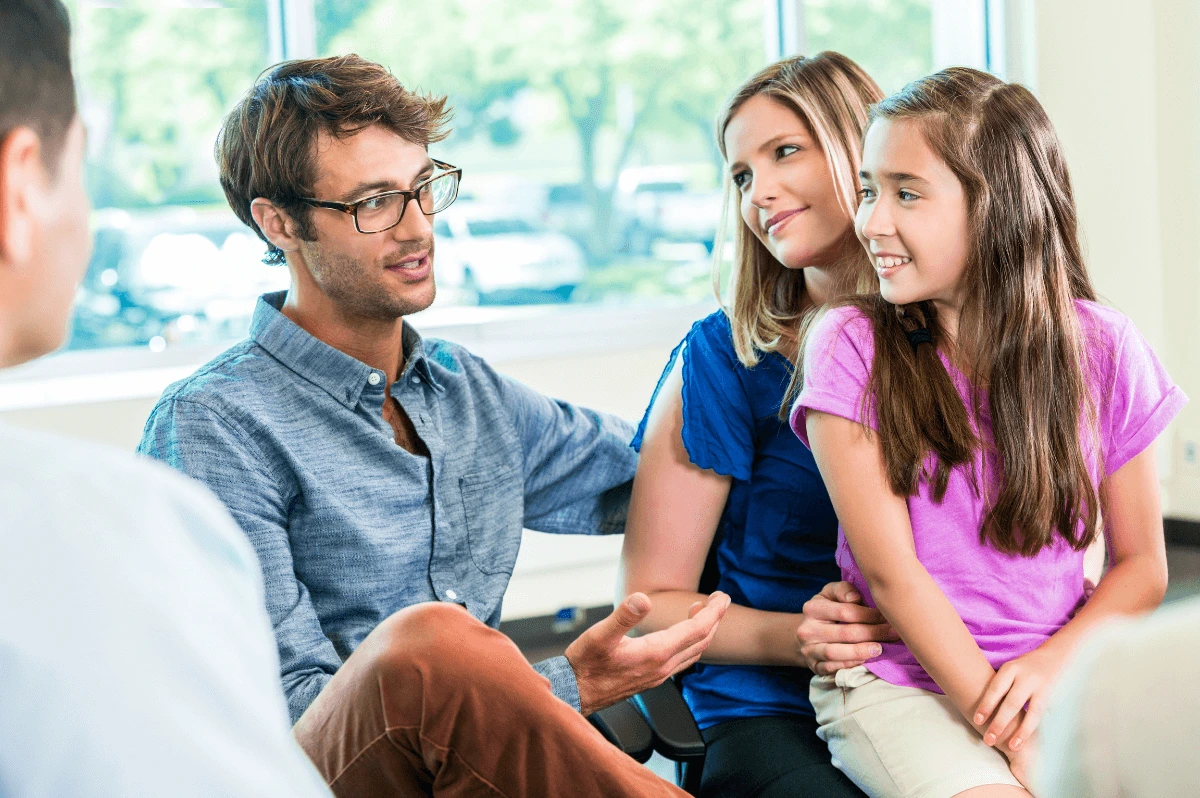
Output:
x=837 y=631
x=1021 y=685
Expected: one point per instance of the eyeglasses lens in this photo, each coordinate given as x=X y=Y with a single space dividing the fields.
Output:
x=384 y=212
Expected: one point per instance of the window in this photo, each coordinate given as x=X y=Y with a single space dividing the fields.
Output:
x=171 y=263
x=590 y=125
x=891 y=39
x=584 y=129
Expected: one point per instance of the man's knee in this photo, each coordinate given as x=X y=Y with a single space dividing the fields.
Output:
x=431 y=637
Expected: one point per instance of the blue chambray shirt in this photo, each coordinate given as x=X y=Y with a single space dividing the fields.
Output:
x=348 y=526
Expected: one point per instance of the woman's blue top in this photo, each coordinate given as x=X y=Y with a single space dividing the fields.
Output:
x=774 y=545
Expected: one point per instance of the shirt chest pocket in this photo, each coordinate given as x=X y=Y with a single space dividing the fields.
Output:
x=494 y=505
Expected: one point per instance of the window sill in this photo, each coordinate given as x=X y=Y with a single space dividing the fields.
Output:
x=499 y=334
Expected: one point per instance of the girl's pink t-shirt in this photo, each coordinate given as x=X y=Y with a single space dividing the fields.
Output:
x=1011 y=604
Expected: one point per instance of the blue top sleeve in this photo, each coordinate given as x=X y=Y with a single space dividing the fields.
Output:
x=718 y=418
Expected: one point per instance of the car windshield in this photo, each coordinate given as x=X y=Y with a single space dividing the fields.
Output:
x=498 y=227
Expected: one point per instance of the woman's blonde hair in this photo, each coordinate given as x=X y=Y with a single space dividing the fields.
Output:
x=833 y=96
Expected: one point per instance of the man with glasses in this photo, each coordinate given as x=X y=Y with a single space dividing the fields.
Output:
x=384 y=479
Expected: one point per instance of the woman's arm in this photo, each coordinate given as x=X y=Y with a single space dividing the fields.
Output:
x=1135 y=583
x=879 y=532
x=673 y=518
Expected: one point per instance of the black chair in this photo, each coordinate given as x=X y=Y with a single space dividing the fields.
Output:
x=664 y=714
x=625 y=727
x=676 y=735
x=656 y=720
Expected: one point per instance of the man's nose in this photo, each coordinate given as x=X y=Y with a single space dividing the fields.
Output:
x=414 y=224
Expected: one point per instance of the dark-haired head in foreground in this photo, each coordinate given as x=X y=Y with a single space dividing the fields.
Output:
x=44 y=241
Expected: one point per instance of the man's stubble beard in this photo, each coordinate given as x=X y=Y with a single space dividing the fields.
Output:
x=346 y=282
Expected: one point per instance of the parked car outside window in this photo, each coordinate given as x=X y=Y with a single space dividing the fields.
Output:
x=485 y=254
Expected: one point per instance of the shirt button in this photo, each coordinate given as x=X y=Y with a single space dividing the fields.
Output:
x=450 y=594
x=374 y=378
x=415 y=380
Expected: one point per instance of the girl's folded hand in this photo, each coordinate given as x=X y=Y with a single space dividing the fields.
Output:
x=1022 y=762
x=1020 y=686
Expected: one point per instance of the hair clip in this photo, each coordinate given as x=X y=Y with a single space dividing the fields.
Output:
x=919 y=336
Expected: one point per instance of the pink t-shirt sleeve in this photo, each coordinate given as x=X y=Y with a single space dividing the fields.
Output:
x=1140 y=399
x=837 y=365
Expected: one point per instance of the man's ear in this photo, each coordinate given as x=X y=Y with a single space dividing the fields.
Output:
x=275 y=224
x=22 y=174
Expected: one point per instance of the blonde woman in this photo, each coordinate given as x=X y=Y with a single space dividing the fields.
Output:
x=721 y=472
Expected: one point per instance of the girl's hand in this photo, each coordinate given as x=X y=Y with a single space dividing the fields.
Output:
x=1022 y=762
x=837 y=632
x=1022 y=684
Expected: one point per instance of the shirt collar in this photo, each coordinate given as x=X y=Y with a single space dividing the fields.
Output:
x=341 y=376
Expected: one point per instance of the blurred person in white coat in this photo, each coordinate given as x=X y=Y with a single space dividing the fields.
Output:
x=1125 y=718
x=136 y=657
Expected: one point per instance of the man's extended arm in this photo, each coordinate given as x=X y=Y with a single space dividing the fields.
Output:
x=202 y=443
x=578 y=465
x=578 y=472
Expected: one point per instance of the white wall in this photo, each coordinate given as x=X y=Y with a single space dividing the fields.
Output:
x=1120 y=79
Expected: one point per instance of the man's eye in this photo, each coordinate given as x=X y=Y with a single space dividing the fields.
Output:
x=374 y=203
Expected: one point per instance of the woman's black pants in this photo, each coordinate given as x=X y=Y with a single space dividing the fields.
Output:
x=770 y=757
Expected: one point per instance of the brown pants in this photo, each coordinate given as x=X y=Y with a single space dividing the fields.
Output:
x=436 y=703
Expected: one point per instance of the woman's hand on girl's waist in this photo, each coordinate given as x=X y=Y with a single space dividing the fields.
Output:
x=836 y=631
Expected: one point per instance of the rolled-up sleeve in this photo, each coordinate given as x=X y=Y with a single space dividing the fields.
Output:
x=578 y=472
x=194 y=438
x=578 y=464
x=562 y=679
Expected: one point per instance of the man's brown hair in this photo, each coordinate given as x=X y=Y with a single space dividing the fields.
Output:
x=267 y=144
x=37 y=89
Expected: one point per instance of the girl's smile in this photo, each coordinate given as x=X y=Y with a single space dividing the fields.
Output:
x=913 y=218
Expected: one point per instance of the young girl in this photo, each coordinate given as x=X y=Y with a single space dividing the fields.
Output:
x=977 y=425
x=720 y=471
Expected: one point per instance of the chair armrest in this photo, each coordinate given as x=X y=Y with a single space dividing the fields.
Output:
x=624 y=727
x=676 y=735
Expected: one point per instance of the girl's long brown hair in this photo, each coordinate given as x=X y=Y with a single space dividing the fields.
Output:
x=1019 y=339
x=767 y=307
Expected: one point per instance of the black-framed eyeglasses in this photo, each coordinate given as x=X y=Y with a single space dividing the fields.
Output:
x=380 y=212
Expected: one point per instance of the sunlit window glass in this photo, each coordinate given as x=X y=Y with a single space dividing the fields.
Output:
x=891 y=39
x=171 y=262
x=585 y=133
x=584 y=129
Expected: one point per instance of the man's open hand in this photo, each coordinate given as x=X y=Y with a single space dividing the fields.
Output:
x=609 y=666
